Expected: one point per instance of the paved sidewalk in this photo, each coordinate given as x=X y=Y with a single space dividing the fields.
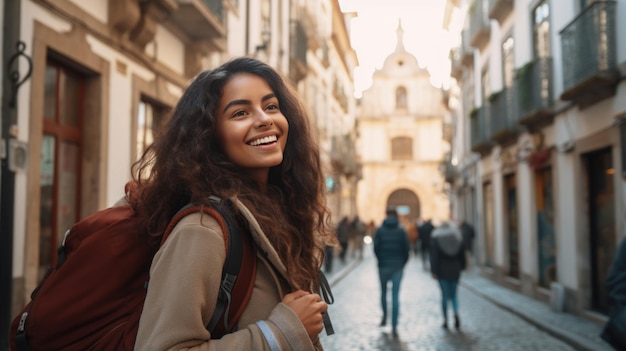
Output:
x=579 y=332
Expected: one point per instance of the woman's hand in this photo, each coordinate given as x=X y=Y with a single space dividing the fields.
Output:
x=309 y=308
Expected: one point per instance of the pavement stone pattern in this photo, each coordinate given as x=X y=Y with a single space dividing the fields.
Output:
x=485 y=324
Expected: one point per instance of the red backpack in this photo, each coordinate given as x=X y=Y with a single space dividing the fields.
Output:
x=93 y=297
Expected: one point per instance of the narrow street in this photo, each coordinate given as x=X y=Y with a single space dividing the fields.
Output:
x=356 y=316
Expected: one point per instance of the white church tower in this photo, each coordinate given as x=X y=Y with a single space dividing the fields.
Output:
x=399 y=125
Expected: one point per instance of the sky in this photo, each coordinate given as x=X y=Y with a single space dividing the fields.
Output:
x=373 y=36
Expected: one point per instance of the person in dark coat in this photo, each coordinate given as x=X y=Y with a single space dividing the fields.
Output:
x=447 y=260
x=468 y=233
x=343 y=233
x=614 y=331
x=425 y=230
x=391 y=247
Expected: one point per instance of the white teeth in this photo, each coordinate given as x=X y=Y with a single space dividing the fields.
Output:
x=267 y=139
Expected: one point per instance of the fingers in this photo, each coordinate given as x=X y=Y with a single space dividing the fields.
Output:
x=309 y=308
x=294 y=295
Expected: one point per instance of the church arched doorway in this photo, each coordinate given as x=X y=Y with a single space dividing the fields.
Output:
x=406 y=202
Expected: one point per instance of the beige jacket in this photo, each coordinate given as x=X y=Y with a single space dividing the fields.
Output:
x=183 y=289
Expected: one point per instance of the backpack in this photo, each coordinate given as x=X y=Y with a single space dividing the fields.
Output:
x=93 y=297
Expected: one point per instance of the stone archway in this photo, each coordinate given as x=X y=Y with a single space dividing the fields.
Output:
x=405 y=199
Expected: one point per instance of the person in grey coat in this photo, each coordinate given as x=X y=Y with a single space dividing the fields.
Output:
x=391 y=247
x=447 y=260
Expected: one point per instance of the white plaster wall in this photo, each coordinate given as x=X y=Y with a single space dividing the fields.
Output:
x=168 y=50
x=97 y=8
x=236 y=35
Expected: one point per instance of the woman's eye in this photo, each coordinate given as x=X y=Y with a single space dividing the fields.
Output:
x=239 y=113
x=272 y=107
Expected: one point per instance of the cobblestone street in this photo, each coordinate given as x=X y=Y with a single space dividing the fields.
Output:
x=356 y=316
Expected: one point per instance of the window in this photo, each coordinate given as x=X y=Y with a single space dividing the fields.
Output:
x=61 y=150
x=150 y=117
x=508 y=63
x=401 y=100
x=401 y=149
x=541 y=30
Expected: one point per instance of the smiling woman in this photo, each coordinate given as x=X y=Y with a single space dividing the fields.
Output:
x=238 y=133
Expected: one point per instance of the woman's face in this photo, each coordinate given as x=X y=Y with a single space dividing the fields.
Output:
x=251 y=127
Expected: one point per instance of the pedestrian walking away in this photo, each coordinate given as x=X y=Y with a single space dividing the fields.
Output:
x=425 y=231
x=239 y=133
x=447 y=260
x=343 y=235
x=391 y=247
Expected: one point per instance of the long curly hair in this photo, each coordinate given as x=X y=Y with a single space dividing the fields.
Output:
x=186 y=163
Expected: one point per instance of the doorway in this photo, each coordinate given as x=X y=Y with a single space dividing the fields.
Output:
x=602 y=222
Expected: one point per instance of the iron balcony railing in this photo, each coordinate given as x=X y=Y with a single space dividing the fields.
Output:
x=502 y=114
x=534 y=87
x=480 y=128
x=589 y=43
x=217 y=7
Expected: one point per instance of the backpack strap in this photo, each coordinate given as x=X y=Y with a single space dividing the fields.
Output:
x=239 y=267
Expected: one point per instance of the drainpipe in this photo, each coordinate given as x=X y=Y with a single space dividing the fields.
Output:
x=10 y=38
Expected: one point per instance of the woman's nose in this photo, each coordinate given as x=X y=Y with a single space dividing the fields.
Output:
x=264 y=120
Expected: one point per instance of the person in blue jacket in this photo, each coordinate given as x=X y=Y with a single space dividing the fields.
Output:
x=391 y=247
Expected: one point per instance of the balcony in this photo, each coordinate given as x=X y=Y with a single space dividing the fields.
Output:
x=504 y=125
x=298 y=45
x=448 y=169
x=499 y=10
x=480 y=131
x=343 y=156
x=590 y=72
x=461 y=57
x=202 y=20
x=534 y=93
x=480 y=29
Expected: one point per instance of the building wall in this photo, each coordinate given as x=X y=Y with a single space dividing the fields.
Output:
x=567 y=136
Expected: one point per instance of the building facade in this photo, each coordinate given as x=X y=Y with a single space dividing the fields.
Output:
x=96 y=78
x=400 y=141
x=537 y=160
